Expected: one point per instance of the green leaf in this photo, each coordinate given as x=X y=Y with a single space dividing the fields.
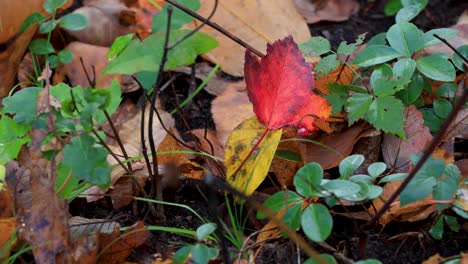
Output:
x=341 y=188
x=63 y=176
x=205 y=230
x=178 y=18
x=412 y=92
x=115 y=97
x=375 y=169
x=437 y=230
x=358 y=105
x=368 y=261
x=317 y=222
x=326 y=64
x=404 y=68
x=53 y=61
x=288 y=155
x=431 y=120
x=382 y=81
x=394 y=177
x=327 y=257
x=146 y=55
x=379 y=39
x=47 y=26
x=65 y=56
x=315 y=46
x=278 y=201
x=374 y=192
x=41 y=47
x=201 y=254
x=182 y=254
x=442 y=108
x=375 y=54
x=445 y=33
x=337 y=96
x=407 y=13
x=349 y=165
x=119 y=44
x=361 y=195
x=405 y=38
x=292 y=216
x=446 y=188
x=424 y=181
x=51 y=5
x=308 y=178
x=392 y=7
x=446 y=90
x=74 y=22
x=386 y=113
x=12 y=137
x=22 y=104
x=436 y=68
x=32 y=19
x=87 y=160
x=458 y=61
x=452 y=223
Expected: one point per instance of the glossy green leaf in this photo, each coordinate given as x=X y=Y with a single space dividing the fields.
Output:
x=405 y=38
x=41 y=47
x=377 y=168
x=51 y=5
x=394 y=177
x=178 y=18
x=442 y=107
x=458 y=61
x=317 y=222
x=119 y=44
x=32 y=19
x=87 y=160
x=341 y=188
x=437 y=230
x=361 y=195
x=47 y=26
x=412 y=92
x=407 y=13
x=424 y=181
x=349 y=165
x=202 y=254
x=446 y=188
x=379 y=39
x=386 y=113
x=205 y=230
x=358 y=105
x=292 y=216
x=392 y=7
x=374 y=192
x=65 y=56
x=404 y=68
x=446 y=90
x=308 y=178
x=315 y=46
x=445 y=33
x=278 y=201
x=74 y=22
x=375 y=54
x=452 y=223
x=436 y=68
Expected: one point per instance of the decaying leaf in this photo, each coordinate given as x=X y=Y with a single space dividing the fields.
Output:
x=283 y=169
x=330 y=10
x=242 y=140
x=396 y=151
x=241 y=17
x=280 y=87
x=229 y=109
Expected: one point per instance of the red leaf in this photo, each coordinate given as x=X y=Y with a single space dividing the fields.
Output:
x=280 y=87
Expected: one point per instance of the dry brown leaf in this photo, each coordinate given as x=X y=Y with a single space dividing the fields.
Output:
x=255 y=21
x=330 y=10
x=463 y=166
x=116 y=247
x=144 y=16
x=396 y=151
x=229 y=109
x=94 y=59
x=285 y=169
x=328 y=151
x=12 y=15
x=104 y=24
x=341 y=75
x=8 y=226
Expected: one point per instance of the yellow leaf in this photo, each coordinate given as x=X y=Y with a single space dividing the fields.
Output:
x=243 y=138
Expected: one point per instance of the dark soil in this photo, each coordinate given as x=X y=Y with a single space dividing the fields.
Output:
x=412 y=246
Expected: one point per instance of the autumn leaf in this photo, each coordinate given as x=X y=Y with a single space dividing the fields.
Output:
x=246 y=169
x=280 y=87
